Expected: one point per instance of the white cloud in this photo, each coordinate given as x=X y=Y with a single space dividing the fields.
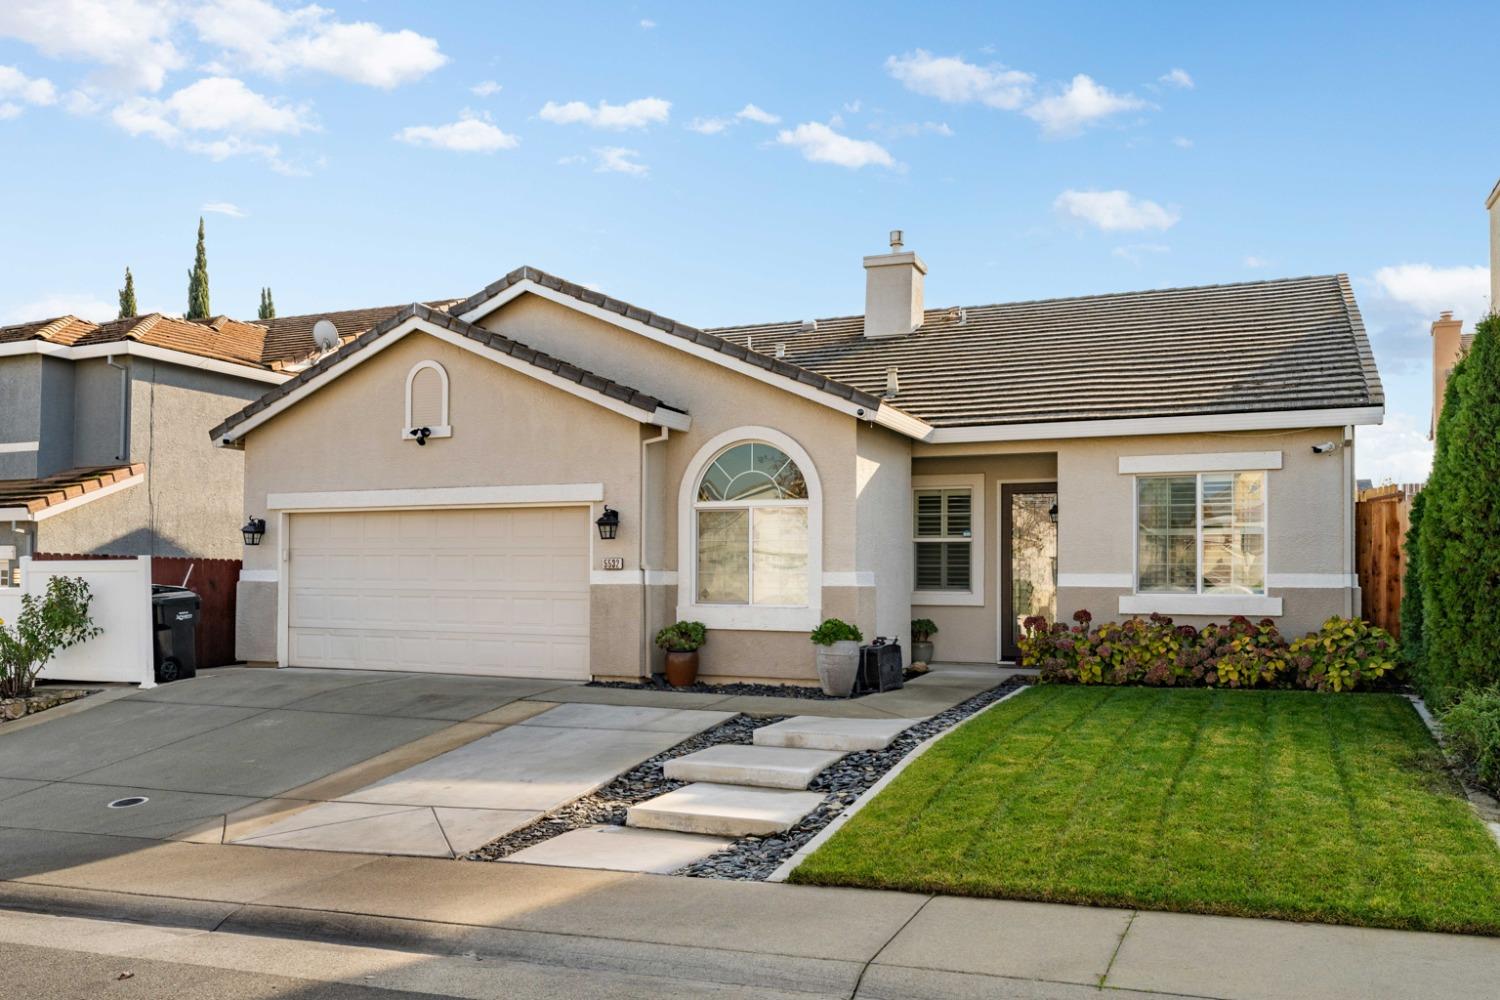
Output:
x=213 y=104
x=852 y=107
x=1177 y=77
x=1082 y=103
x=709 y=126
x=821 y=144
x=9 y=110
x=573 y=160
x=83 y=305
x=30 y=89
x=647 y=23
x=906 y=130
x=1253 y=261
x=1428 y=290
x=1182 y=142
x=228 y=208
x=619 y=160
x=274 y=41
x=470 y=134
x=485 y=88
x=636 y=114
x=1115 y=211
x=129 y=40
x=1137 y=253
x=1396 y=452
x=751 y=113
x=951 y=79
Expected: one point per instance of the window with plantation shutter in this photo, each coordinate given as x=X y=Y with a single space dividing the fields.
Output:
x=1202 y=533
x=943 y=537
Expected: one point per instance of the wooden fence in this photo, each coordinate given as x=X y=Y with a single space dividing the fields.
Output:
x=214 y=581
x=1381 y=518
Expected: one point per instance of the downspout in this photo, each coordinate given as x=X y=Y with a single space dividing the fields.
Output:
x=123 y=456
x=641 y=559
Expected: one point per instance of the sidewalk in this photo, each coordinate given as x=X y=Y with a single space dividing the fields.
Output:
x=755 y=936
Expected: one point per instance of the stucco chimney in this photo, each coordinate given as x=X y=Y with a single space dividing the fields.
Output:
x=1493 y=204
x=893 y=291
x=1447 y=344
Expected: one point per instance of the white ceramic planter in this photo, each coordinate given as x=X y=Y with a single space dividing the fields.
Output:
x=837 y=666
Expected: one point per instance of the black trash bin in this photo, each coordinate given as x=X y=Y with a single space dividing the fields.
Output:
x=174 y=612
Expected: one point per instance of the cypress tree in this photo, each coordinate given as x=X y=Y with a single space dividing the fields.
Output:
x=127 y=297
x=1457 y=554
x=198 y=306
x=1412 y=642
x=267 y=306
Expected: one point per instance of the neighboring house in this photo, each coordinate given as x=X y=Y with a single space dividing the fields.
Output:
x=431 y=490
x=1449 y=342
x=101 y=431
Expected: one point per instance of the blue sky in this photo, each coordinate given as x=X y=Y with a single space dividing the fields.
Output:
x=731 y=163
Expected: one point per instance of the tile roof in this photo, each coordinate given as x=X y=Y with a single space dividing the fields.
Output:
x=1288 y=344
x=495 y=341
x=289 y=338
x=38 y=494
x=221 y=338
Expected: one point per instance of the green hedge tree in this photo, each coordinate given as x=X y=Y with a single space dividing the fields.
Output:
x=1458 y=547
x=1412 y=642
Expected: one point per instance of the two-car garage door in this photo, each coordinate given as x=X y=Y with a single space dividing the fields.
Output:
x=483 y=591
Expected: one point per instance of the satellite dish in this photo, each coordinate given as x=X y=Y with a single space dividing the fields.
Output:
x=325 y=335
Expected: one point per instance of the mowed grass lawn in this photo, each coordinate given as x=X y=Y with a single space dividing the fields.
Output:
x=1256 y=803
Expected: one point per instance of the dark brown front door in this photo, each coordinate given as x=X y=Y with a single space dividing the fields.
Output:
x=1028 y=558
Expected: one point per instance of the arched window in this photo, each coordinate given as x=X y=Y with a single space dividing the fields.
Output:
x=427 y=401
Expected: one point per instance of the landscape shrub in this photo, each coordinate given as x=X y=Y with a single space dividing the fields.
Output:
x=1458 y=560
x=1412 y=643
x=1344 y=655
x=1471 y=732
x=42 y=629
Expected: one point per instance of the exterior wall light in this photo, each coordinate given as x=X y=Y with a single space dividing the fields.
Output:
x=1052 y=512
x=609 y=523
x=254 y=530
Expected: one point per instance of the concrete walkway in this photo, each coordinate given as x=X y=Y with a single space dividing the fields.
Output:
x=643 y=935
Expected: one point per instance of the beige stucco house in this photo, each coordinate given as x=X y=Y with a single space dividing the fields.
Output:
x=431 y=488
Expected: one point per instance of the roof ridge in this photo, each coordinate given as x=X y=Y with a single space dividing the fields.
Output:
x=1373 y=386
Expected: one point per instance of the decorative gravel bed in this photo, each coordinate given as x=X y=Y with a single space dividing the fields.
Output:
x=608 y=804
x=755 y=858
x=749 y=858
x=39 y=700
x=773 y=690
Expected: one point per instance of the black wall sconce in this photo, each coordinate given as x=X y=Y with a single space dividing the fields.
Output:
x=609 y=523
x=254 y=530
x=1052 y=512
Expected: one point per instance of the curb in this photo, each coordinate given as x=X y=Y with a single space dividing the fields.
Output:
x=83 y=704
x=784 y=871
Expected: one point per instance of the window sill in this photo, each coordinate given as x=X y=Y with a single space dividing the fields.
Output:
x=947 y=598
x=749 y=618
x=1199 y=604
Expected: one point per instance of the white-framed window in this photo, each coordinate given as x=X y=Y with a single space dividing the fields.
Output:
x=750 y=534
x=947 y=540
x=426 y=402
x=1201 y=533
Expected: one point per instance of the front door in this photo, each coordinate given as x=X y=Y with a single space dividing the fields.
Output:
x=1028 y=559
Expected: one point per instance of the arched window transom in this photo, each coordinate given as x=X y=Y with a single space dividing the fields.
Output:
x=751 y=510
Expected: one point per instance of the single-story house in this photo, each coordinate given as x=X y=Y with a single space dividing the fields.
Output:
x=431 y=488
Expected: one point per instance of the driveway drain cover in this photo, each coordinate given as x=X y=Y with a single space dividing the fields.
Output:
x=128 y=801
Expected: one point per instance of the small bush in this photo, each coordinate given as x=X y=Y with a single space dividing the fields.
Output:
x=1344 y=655
x=1471 y=732
x=682 y=637
x=836 y=630
x=923 y=629
x=42 y=629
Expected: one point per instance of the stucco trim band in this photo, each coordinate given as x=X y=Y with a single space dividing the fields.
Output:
x=19 y=447
x=1312 y=581
x=1199 y=604
x=1123 y=580
x=439 y=496
x=1219 y=461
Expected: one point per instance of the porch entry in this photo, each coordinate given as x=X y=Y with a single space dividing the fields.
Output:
x=1028 y=559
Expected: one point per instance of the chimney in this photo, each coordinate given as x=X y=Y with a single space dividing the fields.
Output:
x=1447 y=344
x=1493 y=204
x=893 y=291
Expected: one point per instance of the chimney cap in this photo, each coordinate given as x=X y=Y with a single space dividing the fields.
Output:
x=896 y=242
x=1446 y=314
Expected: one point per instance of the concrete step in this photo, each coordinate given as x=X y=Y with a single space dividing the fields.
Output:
x=723 y=810
x=844 y=735
x=762 y=767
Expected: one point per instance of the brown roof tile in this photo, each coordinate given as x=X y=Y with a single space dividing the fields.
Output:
x=39 y=494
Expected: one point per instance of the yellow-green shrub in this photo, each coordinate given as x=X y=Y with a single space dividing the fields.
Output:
x=1346 y=653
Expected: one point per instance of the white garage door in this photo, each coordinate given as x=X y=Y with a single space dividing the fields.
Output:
x=503 y=592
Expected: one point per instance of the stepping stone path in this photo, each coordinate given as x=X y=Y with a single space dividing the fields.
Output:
x=760 y=789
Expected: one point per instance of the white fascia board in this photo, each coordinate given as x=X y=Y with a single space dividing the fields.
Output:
x=416 y=323
x=1219 y=461
x=903 y=423
x=796 y=388
x=1205 y=423
x=23 y=514
x=441 y=496
x=131 y=348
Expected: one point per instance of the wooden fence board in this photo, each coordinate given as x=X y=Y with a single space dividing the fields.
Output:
x=1381 y=518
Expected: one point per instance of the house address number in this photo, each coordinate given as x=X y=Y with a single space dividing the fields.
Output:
x=614 y=562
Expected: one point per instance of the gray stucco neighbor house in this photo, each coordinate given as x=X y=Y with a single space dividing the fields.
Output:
x=431 y=487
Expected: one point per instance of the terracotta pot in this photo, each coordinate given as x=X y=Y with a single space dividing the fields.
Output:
x=837 y=666
x=682 y=668
x=921 y=651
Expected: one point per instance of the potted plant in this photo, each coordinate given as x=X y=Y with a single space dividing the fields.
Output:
x=838 y=656
x=681 y=640
x=922 y=631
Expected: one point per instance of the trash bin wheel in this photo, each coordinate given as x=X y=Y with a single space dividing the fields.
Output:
x=168 y=670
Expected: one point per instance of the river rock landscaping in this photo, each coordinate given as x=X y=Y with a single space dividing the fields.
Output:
x=804 y=691
x=38 y=701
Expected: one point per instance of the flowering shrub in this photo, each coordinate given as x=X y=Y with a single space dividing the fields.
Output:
x=1346 y=654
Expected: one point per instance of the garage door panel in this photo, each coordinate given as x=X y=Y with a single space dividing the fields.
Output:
x=500 y=592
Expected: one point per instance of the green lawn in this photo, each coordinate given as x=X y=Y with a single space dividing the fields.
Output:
x=1256 y=803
